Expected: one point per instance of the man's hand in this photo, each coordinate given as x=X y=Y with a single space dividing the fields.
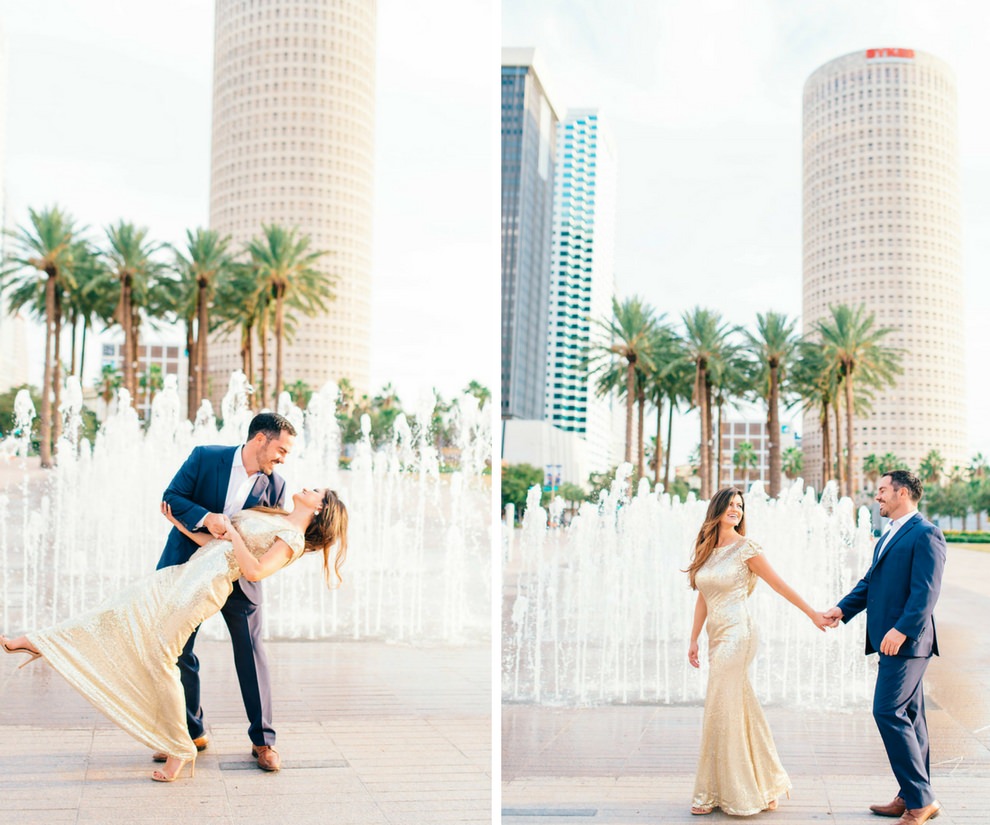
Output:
x=892 y=642
x=214 y=522
x=833 y=615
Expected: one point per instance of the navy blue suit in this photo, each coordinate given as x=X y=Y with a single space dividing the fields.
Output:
x=900 y=591
x=198 y=488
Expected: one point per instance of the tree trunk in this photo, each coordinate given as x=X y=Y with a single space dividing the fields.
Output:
x=263 y=336
x=202 y=337
x=46 y=388
x=57 y=374
x=840 y=465
x=773 y=432
x=82 y=350
x=850 y=472
x=630 y=400
x=670 y=433
x=703 y=410
x=708 y=435
x=640 y=446
x=192 y=393
x=826 y=426
x=73 y=320
x=279 y=335
x=135 y=343
x=718 y=449
x=658 y=448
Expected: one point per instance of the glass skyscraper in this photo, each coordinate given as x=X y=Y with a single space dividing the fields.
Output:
x=529 y=126
x=582 y=280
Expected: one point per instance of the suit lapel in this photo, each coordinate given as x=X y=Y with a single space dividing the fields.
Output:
x=257 y=491
x=907 y=528
x=223 y=476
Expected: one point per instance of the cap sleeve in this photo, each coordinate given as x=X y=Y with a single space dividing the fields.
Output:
x=749 y=549
x=294 y=539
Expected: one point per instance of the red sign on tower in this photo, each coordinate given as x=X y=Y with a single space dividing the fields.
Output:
x=874 y=53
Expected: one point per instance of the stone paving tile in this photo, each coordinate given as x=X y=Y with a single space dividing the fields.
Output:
x=370 y=734
x=622 y=765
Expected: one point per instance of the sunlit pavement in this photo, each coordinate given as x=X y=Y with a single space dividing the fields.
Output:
x=368 y=733
x=635 y=764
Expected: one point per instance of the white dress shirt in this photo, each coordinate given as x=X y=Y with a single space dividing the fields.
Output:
x=892 y=528
x=238 y=487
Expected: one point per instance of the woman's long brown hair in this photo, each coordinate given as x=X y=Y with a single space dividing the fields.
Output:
x=704 y=545
x=329 y=526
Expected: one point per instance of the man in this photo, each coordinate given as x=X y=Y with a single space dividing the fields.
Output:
x=214 y=482
x=899 y=593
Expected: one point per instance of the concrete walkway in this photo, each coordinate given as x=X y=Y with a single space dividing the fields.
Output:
x=635 y=764
x=369 y=733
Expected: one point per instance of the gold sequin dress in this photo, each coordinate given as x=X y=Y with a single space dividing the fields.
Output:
x=122 y=655
x=738 y=769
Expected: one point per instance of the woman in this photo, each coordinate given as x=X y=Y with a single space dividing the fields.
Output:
x=738 y=770
x=122 y=655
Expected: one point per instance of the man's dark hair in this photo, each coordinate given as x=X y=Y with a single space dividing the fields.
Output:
x=905 y=478
x=271 y=424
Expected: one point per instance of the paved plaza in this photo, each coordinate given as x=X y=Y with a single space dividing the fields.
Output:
x=623 y=765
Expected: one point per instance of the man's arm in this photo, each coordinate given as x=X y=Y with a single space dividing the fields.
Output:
x=855 y=601
x=178 y=495
x=927 y=564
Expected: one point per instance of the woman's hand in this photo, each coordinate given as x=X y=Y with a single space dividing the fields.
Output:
x=229 y=530
x=821 y=621
x=693 y=654
x=167 y=512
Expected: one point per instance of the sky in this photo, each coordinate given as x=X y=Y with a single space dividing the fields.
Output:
x=108 y=107
x=704 y=102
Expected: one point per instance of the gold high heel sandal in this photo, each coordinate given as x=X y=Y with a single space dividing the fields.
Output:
x=161 y=776
x=34 y=654
x=772 y=805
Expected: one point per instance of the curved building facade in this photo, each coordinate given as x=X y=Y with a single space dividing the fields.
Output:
x=882 y=229
x=293 y=128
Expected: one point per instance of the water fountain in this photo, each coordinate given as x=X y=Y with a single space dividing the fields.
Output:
x=600 y=612
x=417 y=569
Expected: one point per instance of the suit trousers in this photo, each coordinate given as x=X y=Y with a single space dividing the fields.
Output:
x=243 y=620
x=899 y=711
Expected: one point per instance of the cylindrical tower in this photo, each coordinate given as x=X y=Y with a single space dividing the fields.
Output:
x=881 y=229
x=293 y=123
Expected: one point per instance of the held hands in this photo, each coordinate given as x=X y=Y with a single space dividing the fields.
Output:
x=214 y=522
x=833 y=615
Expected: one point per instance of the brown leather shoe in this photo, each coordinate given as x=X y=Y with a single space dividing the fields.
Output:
x=895 y=808
x=267 y=756
x=201 y=743
x=918 y=816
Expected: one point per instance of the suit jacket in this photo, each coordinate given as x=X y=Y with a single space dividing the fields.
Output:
x=900 y=589
x=200 y=487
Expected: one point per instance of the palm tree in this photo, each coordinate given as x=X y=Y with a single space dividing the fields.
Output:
x=744 y=459
x=852 y=343
x=132 y=267
x=932 y=467
x=240 y=305
x=814 y=384
x=300 y=393
x=662 y=384
x=47 y=248
x=792 y=462
x=729 y=383
x=205 y=262
x=871 y=469
x=109 y=383
x=773 y=346
x=479 y=391
x=706 y=341
x=89 y=300
x=629 y=336
x=283 y=262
